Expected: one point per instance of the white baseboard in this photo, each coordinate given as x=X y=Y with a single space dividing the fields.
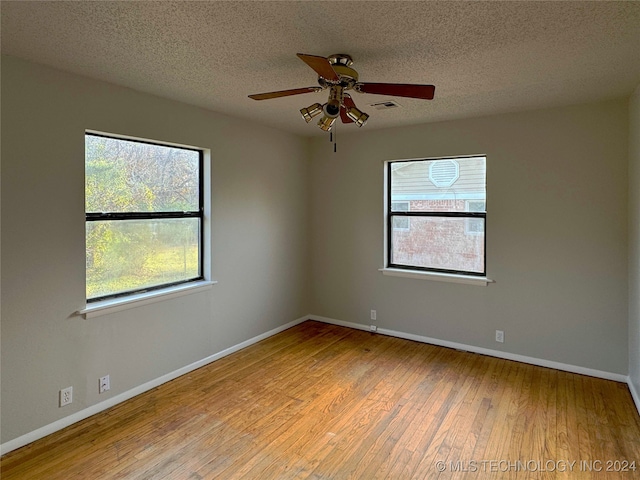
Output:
x=484 y=351
x=634 y=394
x=99 y=407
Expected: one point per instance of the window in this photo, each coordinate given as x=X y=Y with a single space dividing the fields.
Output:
x=475 y=226
x=400 y=223
x=440 y=205
x=144 y=216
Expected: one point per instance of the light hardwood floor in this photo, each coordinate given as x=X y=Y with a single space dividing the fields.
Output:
x=325 y=402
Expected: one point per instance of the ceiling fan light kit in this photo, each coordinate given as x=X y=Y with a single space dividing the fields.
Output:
x=311 y=111
x=326 y=123
x=335 y=73
x=358 y=117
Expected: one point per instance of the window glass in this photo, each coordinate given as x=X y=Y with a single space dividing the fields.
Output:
x=144 y=216
x=130 y=176
x=440 y=243
x=400 y=222
x=414 y=182
x=436 y=215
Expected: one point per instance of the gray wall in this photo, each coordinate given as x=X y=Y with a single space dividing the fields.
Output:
x=634 y=242
x=259 y=239
x=556 y=235
x=298 y=229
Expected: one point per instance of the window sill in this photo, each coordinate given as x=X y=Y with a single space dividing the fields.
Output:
x=438 y=277
x=118 y=304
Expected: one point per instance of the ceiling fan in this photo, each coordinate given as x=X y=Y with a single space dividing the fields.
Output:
x=336 y=74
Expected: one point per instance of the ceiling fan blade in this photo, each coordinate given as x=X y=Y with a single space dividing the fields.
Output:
x=347 y=102
x=397 y=89
x=284 y=93
x=321 y=65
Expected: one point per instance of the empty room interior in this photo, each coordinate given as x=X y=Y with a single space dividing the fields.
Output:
x=324 y=240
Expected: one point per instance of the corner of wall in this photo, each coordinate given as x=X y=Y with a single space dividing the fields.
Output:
x=634 y=246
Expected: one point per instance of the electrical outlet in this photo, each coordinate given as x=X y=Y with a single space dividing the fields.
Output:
x=499 y=336
x=104 y=384
x=66 y=396
x=373 y=328
x=374 y=314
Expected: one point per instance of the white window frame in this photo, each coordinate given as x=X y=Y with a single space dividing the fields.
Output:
x=390 y=270
x=112 y=305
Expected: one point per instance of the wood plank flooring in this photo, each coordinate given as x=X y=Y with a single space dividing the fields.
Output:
x=325 y=402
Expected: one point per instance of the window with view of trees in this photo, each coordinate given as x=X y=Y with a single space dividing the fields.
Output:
x=440 y=205
x=144 y=214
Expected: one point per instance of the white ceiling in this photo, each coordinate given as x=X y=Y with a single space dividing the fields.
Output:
x=483 y=57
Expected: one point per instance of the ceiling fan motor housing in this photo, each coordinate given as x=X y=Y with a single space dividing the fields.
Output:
x=341 y=64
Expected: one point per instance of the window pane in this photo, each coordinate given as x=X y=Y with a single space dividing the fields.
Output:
x=401 y=223
x=440 y=243
x=129 y=176
x=399 y=206
x=445 y=185
x=130 y=255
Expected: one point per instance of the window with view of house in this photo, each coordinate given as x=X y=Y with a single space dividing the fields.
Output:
x=144 y=215
x=436 y=215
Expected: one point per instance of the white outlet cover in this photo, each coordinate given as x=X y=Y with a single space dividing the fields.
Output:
x=104 y=384
x=66 y=396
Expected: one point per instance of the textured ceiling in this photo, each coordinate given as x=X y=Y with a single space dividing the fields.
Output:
x=483 y=57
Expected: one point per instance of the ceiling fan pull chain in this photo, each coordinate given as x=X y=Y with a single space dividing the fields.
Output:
x=332 y=139
x=335 y=142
